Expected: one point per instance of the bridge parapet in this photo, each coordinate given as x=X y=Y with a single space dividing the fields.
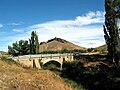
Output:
x=36 y=60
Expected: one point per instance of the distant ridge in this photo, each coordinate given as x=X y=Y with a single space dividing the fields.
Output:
x=58 y=44
x=2 y=52
x=102 y=48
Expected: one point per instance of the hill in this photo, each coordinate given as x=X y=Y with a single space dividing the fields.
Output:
x=14 y=77
x=58 y=44
x=2 y=52
x=102 y=48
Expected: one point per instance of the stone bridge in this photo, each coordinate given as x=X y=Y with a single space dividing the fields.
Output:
x=37 y=61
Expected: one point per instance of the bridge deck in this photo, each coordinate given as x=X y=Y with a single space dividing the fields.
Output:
x=24 y=57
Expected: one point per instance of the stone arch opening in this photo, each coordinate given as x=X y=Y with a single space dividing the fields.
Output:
x=34 y=65
x=63 y=59
x=52 y=65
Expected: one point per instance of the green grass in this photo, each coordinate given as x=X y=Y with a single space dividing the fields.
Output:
x=3 y=58
x=8 y=60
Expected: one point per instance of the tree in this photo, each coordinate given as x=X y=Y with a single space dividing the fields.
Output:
x=19 y=48
x=34 y=43
x=23 y=47
x=37 y=43
x=111 y=30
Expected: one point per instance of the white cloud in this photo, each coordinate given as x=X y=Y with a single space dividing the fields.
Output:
x=18 y=30
x=15 y=23
x=84 y=30
x=1 y=25
x=91 y=18
x=74 y=30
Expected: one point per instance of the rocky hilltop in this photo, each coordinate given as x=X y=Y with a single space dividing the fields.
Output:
x=58 y=44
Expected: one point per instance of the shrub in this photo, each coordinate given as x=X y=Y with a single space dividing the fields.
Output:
x=52 y=65
x=74 y=84
x=72 y=69
x=9 y=60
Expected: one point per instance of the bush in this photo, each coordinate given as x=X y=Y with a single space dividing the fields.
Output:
x=49 y=52
x=9 y=60
x=64 y=51
x=6 y=59
x=74 y=84
x=72 y=69
x=52 y=65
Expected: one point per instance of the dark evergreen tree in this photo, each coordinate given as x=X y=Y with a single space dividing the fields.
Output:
x=37 y=43
x=111 y=30
x=34 y=43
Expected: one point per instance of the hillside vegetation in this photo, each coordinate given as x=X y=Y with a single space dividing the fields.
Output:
x=14 y=77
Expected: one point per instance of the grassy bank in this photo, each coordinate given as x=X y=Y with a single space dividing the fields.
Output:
x=15 y=77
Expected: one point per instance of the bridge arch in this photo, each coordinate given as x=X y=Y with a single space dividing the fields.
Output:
x=48 y=60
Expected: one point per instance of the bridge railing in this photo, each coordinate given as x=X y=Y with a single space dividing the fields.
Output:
x=24 y=57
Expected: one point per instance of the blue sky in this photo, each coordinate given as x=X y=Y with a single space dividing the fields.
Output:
x=78 y=21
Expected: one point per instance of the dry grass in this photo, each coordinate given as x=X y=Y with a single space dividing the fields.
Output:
x=13 y=77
